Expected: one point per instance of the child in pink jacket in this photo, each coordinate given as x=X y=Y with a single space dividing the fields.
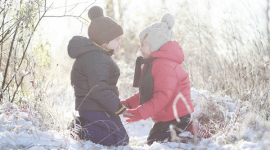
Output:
x=160 y=82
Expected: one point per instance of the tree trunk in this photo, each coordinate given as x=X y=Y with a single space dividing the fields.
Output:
x=267 y=27
x=120 y=12
x=110 y=9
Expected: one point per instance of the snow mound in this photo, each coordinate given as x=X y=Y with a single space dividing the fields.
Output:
x=239 y=129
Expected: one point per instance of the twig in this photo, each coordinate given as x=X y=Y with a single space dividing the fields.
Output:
x=68 y=16
x=73 y=7
x=75 y=16
x=88 y=7
x=87 y=95
x=113 y=132
x=18 y=85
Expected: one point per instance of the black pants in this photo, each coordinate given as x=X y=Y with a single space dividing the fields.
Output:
x=161 y=131
x=104 y=128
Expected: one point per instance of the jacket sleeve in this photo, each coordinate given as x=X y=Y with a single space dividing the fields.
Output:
x=165 y=81
x=115 y=90
x=97 y=71
x=132 y=102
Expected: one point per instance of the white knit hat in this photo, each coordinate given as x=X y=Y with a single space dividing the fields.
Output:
x=159 y=33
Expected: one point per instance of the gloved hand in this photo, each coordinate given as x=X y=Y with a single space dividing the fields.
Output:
x=126 y=113
x=136 y=115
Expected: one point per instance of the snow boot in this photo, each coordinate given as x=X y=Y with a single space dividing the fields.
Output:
x=76 y=127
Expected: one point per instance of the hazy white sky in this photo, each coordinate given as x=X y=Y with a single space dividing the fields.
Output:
x=136 y=10
x=59 y=30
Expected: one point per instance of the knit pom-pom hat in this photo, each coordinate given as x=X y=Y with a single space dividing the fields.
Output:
x=102 y=29
x=159 y=33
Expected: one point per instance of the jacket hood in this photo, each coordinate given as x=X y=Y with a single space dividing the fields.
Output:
x=79 y=45
x=171 y=51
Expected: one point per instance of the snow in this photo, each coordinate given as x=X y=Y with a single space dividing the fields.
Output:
x=20 y=130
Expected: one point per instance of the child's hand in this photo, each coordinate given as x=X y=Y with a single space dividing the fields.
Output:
x=136 y=116
x=126 y=113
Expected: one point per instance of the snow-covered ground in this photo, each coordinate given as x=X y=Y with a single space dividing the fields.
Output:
x=20 y=130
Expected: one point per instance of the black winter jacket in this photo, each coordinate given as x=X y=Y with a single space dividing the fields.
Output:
x=94 y=76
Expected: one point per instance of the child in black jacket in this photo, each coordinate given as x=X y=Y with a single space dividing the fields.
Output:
x=94 y=77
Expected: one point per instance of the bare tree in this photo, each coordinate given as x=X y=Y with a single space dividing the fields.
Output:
x=110 y=9
x=267 y=26
x=16 y=33
x=120 y=10
x=18 y=24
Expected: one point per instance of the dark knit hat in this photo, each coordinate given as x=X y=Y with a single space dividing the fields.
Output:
x=102 y=29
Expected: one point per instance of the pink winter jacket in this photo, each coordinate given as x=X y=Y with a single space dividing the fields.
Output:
x=170 y=79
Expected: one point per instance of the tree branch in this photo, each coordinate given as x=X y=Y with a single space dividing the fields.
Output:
x=9 y=56
x=88 y=7
x=69 y=16
x=18 y=85
x=75 y=16
x=27 y=46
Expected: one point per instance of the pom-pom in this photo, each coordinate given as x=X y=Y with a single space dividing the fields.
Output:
x=95 y=12
x=169 y=19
